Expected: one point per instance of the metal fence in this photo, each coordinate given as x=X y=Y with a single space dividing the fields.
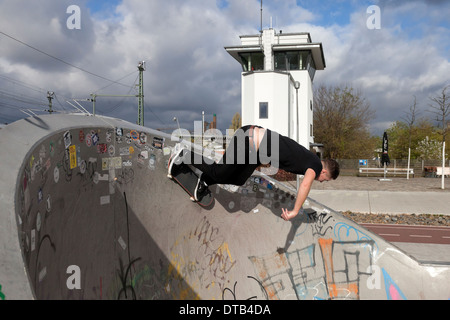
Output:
x=421 y=167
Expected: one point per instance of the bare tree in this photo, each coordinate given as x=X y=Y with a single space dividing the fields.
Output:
x=441 y=108
x=410 y=118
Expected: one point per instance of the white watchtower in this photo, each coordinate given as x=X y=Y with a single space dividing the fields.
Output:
x=278 y=72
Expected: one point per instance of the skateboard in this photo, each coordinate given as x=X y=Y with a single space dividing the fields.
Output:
x=187 y=179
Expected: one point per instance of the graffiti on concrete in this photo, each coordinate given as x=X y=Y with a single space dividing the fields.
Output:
x=393 y=292
x=2 y=295
x=327 y=268
x=210 y=260
x=232 y=294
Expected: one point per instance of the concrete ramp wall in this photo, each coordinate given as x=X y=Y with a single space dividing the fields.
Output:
x=87 y=212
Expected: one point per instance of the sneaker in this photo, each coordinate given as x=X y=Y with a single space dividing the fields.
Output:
x=201 y=189
x=177 y=159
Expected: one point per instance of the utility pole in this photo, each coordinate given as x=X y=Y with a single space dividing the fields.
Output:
x=141 y=68
x=50 y=96
x=140 y=95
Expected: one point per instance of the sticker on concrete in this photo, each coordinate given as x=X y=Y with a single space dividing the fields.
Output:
x=127 y=163
x=152 y=162
x=51 y=148
x=38 y=221
x=40 y=195
x=42 y=153
x=124 y=151
x=42 y=274
x=56 y=174
x=112 y=163
x=95 y=138
x=244 y=191
x=81 y=136
x=102 y=177
x=109 y=134
x=111 y=150
x=102 y=148
x=144 y=154
x=47 y=165
x=96 y=177
x=33 y=240
x=134 y=135
x=158 y=143
x=73 y=156
x=31 y=161
x=104 y=200
x=49 y=203
x=83 y=166
x=143 y=138
x=122 y=243
x=88 y=140
x=67 y=137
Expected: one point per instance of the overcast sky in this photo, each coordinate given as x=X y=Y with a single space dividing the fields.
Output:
x=187 y=68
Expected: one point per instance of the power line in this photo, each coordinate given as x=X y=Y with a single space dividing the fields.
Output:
x=20 y=98
x=23 y=84
x=117 y=81
x=120 y=103
x=58 y=59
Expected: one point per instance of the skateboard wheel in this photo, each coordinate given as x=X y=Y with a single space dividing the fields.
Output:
x=192 y=199
x=169 y=176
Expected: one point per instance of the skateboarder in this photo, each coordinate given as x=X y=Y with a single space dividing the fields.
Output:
x=252 y=146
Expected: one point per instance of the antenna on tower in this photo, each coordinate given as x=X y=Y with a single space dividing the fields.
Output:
x=50 y=96
x=261 y=30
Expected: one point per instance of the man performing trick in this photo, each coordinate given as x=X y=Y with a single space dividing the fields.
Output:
x=249 y=148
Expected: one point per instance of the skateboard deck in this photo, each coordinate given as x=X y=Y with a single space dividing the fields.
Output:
x=187 y=179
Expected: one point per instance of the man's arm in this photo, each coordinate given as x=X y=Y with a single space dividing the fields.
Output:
x=302 y=193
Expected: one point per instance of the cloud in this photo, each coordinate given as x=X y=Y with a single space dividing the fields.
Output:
x=43 y=25
x=388 y=65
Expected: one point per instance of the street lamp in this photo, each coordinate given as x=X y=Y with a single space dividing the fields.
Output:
x=179 y=129
x=297 y=86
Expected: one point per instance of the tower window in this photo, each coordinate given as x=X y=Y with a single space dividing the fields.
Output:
x=263 y=110
x=295 y=60
x=252 y=61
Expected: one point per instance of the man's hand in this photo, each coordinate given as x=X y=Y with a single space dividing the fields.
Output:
x=302 y=193
x=287 y=215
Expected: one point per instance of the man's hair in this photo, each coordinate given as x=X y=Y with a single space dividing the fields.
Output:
x=332 y=167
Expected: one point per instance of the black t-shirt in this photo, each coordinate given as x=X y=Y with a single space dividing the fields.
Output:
x=292 y=156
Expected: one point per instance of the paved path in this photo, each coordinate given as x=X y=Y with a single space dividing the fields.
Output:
x=391 y=202
x=411 y=234
x=369 y=195
x=373 y=184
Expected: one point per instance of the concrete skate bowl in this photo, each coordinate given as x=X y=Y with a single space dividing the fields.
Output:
x=88 y=213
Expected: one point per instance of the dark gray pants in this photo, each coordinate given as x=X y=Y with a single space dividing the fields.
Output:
x=238 y=162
